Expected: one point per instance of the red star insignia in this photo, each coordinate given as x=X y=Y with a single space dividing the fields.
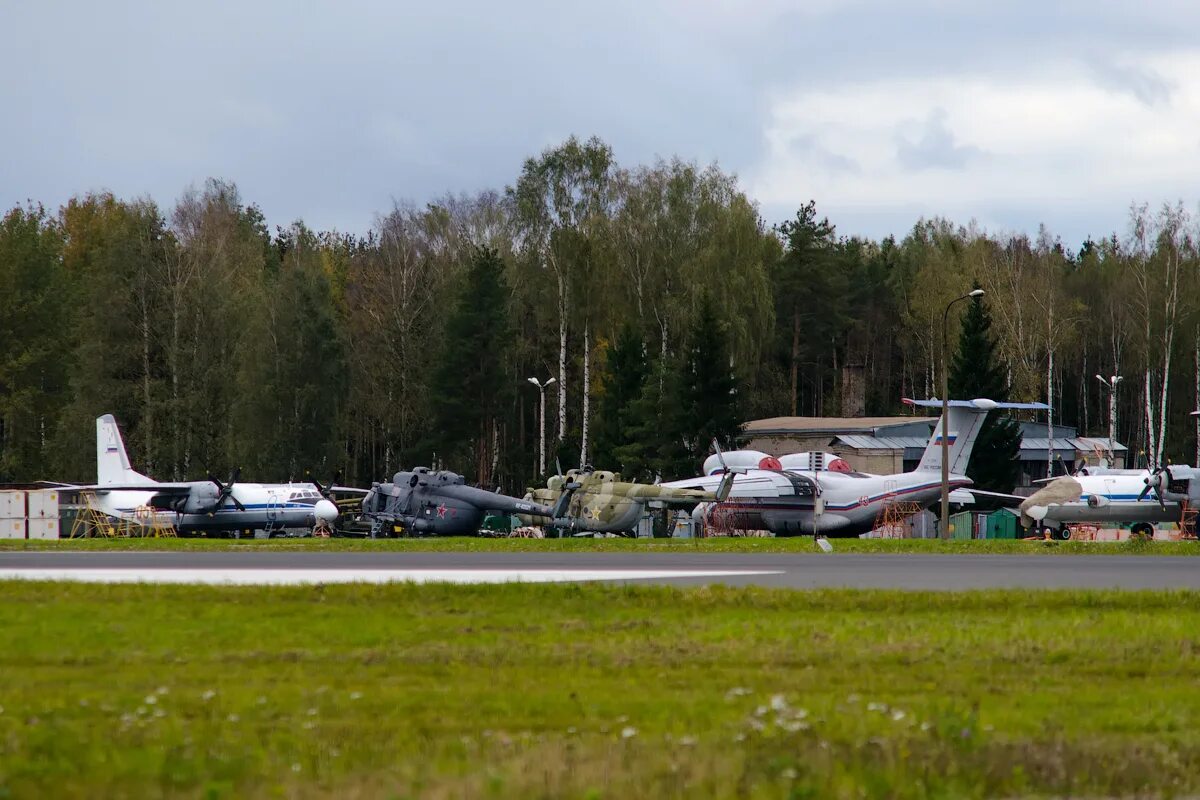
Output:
x=441 y=511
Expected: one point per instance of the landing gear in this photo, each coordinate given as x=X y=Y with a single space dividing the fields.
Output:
x=1143 y=531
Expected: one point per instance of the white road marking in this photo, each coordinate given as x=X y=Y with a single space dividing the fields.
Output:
x=282 y=577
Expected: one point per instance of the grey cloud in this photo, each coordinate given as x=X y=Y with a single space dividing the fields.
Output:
x=1145 y=84
x=813 y=151
x=328 y=111
x=936 y=147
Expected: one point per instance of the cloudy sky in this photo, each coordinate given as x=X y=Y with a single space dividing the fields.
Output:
x=1010 y=114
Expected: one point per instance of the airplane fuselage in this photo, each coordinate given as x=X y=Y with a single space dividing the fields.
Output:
x=267 y=507
x=836 y=504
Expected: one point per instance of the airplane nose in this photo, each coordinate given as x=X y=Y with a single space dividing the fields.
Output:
x=325 y=511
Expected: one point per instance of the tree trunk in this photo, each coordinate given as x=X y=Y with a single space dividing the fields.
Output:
x=562 y=357
x=587 y=392
x=1151 y=447
x=148 y=409
x=1050 y=414
x=795 y=354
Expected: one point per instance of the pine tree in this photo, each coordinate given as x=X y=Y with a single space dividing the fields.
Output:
x=977 y=372
x=625 y=376
x=471 y=381
x=708 y=403
x=33 y=357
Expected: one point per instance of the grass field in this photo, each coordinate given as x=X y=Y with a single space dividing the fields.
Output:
x=799 y=544
x=594 y=691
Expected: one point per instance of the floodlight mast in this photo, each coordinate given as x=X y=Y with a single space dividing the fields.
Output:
x=542 y=441
x=1111 y=385
x=945 y=516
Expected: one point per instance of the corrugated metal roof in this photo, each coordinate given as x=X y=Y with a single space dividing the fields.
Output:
x=1028 y=444
x=1043 y=444
x=859 y=442
x=786 y=425
x=1089 y=443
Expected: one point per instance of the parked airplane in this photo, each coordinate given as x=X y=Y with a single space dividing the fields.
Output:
x=209 y=505
x=1112 y=497
x=836 y=502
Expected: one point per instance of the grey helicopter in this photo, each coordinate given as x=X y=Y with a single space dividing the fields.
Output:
x=439 y=503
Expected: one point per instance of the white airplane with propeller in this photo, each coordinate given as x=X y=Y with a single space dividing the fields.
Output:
x=207 y=505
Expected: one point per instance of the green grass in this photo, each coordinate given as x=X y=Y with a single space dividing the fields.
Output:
x=594 y=691
x=800 y=544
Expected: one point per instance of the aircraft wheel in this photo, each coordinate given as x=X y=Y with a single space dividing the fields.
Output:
x=1064 y=534
x=1142 y=531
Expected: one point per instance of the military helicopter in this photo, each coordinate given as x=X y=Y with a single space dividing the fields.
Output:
x=599 y=501
x=439 y=503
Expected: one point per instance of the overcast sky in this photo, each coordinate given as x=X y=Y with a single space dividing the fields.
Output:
x=1011 y=114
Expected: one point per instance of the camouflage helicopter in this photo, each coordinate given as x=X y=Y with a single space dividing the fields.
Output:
x=599 y=501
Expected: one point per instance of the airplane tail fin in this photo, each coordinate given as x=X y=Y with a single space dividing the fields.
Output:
x=965 y=419
x=112 y=462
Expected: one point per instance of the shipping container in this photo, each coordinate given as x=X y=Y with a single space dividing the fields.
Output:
x=12 y=504
x=43 y=504
x=43 y=528
x=12 y=528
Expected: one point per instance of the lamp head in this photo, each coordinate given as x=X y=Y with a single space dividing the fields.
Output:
x=534 y=381
x=976 y=293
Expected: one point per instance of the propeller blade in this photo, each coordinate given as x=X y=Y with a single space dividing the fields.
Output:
x=236 y=502
x=720 y=455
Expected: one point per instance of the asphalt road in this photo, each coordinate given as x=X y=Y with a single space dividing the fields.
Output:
x=794 y=570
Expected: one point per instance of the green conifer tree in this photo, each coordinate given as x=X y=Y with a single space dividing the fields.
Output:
x=977 y=372
x=471 y=380
x=625 y=375
x=707 y=402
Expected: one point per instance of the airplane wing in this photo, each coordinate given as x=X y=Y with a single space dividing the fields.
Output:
x=981 y=404
x=1015 y=498
x=347 y=490
x=153 y=488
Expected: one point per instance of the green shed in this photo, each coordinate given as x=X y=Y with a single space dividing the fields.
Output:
x=1001 y=524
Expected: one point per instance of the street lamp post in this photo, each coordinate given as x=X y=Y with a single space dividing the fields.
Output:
x=1111 y=383
x=542 y=445
x=946 y=415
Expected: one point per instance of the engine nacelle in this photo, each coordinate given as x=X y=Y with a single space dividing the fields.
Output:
x=755 y=459
x=202 y=499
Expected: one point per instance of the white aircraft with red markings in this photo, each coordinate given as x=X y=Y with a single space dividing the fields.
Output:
x=814 y=493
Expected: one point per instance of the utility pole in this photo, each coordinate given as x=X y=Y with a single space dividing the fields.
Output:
x=946 y=415
x=542 y=443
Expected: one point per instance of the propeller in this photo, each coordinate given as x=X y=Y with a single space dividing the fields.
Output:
x=225 y=490
x=1155 y=481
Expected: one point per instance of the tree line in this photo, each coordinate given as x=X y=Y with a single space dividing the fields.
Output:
x=663 y=306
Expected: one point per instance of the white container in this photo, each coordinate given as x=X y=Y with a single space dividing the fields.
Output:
x=12 y=528
x=43 y=504
x=12 y=504
x=43 y=528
